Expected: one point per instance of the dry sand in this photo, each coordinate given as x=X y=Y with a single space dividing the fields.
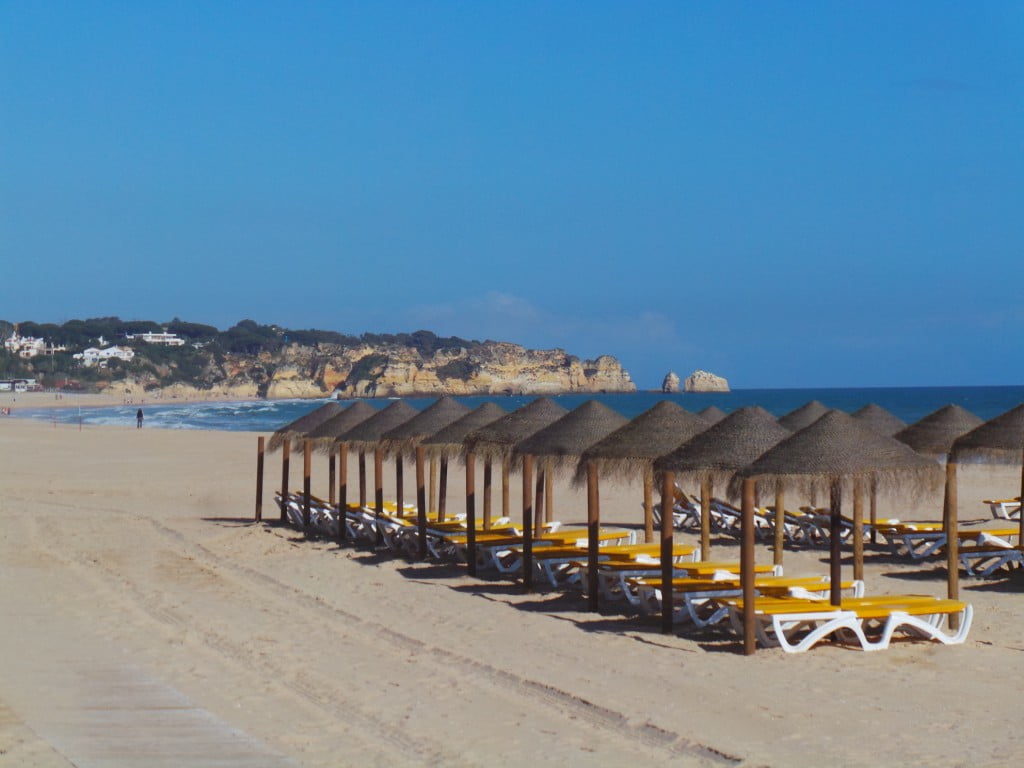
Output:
x=148 y=621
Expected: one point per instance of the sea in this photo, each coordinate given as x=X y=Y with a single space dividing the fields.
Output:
x=908 y=403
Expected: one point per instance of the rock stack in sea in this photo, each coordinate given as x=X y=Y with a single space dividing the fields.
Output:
x=703 y=381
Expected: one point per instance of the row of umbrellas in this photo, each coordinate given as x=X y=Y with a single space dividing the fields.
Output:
x=812 y=450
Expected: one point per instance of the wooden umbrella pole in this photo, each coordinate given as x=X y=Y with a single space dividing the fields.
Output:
x=307 y=473
x=858 y=529
x=538 y=508
x=549 y=491
x=260 y=441
x=836 y=544
x=487 y=492
x=332 y=478
x=378 y=488
x=874 y=511
x=342 y=492
x=421 y=504
x=951 y=520
x=286 y=451
x=648 y=504
x=528 y=523
x=471 y=513
x=362 y=478
x=593 y=525
x=400 y=484
x=780 y=522
x=747 y=565
x=506 y=507
x=442 y=499
x=668 y=494
x=705 y=519
x=433 y=484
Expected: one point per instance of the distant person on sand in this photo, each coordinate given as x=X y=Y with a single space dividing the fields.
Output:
x=138 y=419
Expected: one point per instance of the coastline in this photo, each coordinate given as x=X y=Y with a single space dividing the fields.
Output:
x=143 y=541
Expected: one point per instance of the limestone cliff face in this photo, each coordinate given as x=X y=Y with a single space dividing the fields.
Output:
x=384 y=370
x=702 y=381
x=488 y=368
x=670 y=383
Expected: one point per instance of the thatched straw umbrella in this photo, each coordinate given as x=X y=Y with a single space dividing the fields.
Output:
x=935 y=434
x=497 y=440
x=714 y=456
x=998 y=441
x=448 y=443
x=297 y=429
x=879 y=419
x=324 y=439
x=884 y=423
x=366 y=436
x=804 y=416
x=406 y=438
x=283 y=438
x=560 y=444
x=631 y=450
x=833 y=451
x=712 y=414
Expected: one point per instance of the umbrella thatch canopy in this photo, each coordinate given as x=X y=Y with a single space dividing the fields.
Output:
x=449 y=440
x=804 y=416
x=407 y=435
x=498 y=438
x=837 y=447
x=879 y=419
x=832 y=451
x=564 y=440
x=302 y=425
x=712 y=414
x=935 y=434
x=325 y=435
x=633 y=447
x=367 y=435
x=729 y=445
x=999 y=440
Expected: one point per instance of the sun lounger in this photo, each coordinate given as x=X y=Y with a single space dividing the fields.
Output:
x=1004 y=509
x=701 y=602
x=725 y=518
x=985 y=560
x=919 y=541
x=561 y=566
x=797 y=625
x=507 y=556
x=616 y=579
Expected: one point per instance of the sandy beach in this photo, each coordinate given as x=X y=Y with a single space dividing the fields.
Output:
x=149 y=621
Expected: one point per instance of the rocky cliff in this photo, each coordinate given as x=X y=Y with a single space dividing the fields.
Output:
x=391 y=370
x=702 y=381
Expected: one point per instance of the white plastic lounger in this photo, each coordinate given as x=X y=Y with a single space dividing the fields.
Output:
x=702 y=603
x=1004 y=509
x=797 y=625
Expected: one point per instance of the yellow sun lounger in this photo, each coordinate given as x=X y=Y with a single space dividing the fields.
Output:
x=1004 y=509
x=922 y=540
x=560 y=566
x=614 y=576
x=702 y=602
x=796 y=625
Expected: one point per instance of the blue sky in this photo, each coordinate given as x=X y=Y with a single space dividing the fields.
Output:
x=785 y=193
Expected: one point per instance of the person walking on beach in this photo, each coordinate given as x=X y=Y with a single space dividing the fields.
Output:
x=138 y=419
